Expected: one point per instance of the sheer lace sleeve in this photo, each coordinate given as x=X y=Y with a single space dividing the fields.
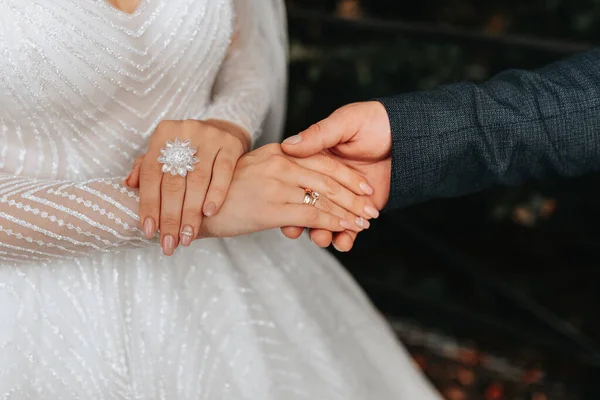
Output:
x=253 y=73
x=42 y=219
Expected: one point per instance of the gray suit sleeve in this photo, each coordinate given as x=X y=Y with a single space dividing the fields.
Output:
x=518 y=126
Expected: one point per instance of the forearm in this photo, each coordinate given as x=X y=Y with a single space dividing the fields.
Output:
x=518 y=126
x=45 y=219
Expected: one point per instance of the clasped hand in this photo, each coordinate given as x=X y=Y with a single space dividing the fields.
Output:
x=231 y=194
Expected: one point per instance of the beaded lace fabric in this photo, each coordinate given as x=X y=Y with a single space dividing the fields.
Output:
x=91 y=310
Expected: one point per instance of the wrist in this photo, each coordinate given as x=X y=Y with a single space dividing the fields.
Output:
x=235 y=130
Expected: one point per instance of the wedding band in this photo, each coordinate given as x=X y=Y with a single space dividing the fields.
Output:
x=307 y=197
x=314 y=196
x=178 y=157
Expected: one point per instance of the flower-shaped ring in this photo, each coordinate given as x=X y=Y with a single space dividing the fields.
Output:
x=178 y=157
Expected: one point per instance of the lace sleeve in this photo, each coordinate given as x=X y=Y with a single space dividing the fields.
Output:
x=43 y=220
x=254 y=70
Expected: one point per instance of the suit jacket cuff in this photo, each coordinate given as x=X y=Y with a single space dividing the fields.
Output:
x=431 y=146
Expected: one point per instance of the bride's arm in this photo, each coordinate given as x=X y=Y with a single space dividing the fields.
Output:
x=46 y=219
x=242 y=93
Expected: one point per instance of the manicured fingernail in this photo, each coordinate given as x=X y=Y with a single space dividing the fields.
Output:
x=187 y=235
x=367 y=225
x=210 y=209
x=366 y=188
x=335 y=247
x=149 y=228
x=347 y=225
x=360 y=222
x=293 y=139
x=128 y=177
x=371 y=211
x=168 y=245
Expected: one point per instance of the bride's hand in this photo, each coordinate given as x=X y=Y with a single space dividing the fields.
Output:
x=267 y=191
x=175 y=201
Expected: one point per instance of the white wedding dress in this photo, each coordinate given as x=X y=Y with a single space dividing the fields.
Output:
x=91 y=310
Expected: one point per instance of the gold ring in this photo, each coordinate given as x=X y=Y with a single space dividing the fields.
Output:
x=307 y=197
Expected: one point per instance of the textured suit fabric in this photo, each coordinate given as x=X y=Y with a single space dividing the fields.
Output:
x=519 y=125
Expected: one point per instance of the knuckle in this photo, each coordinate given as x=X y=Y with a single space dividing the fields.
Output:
x=279 y=163
x=197 y=178
x=169 y=221
x=172 y=186
x=316 y=128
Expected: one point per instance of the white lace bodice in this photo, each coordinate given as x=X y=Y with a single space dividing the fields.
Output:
x=83 y=85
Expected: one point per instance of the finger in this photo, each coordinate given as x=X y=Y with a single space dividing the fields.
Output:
x=320 y=237
x=349 y=220
x=172 y=196
x=222 y=174
x=332 y=190
x=346 y=176
x=344 y=241
x=150 y=184
x=338 y=128
x=133 y=179
x=292 y=232
x=198 y=182
x=303 y=215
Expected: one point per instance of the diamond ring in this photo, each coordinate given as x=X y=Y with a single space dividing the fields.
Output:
x=314 y=197
x=178 y=157
x=310 y=197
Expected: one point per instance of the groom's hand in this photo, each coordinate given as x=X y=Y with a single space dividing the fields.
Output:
x=358 y=135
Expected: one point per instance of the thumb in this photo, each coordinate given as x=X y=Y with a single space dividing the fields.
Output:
x=328 y=133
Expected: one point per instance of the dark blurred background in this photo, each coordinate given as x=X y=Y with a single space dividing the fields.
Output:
x=495 y=294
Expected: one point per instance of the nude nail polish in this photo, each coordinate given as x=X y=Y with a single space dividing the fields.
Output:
x=360 y=222
x=371 y=212
x=187 y=235
x=210 y=209
x=149 y=228
x=168 y=245
x=366 y=188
